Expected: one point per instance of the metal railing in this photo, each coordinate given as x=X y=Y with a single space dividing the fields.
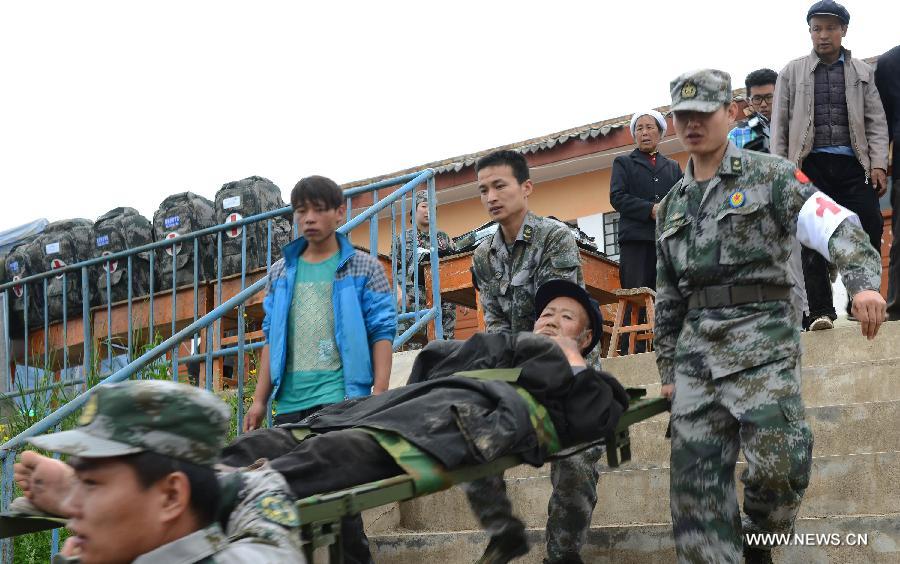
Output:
x=209 y=324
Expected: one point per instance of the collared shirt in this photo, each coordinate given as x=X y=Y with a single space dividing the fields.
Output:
x=742 y=134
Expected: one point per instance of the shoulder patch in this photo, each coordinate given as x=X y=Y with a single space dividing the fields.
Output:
x=278 y=509
x=799 y=175
x=527 y=233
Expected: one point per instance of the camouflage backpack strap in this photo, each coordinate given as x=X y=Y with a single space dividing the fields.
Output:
x=502 y=374
x=542 y=423
x=428 y=474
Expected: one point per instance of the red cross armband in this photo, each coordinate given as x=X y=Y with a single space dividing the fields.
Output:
x=818 y=219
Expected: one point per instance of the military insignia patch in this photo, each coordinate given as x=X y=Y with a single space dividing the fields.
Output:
x=736 y=165
x=527 y=232
x=798 y=174
x=280 y=510
x=689 y=90
x=737 y=199
x=89 y=411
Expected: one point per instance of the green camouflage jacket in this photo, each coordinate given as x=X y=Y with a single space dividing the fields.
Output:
x=508 y=279
x=738 y=231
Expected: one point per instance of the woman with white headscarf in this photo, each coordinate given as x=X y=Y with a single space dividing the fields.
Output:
x=639 y=181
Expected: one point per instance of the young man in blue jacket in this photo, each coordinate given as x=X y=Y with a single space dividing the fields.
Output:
x=329 y=325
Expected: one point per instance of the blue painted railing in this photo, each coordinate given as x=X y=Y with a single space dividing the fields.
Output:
x=403 y=197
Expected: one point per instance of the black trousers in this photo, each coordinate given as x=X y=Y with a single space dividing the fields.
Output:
x=894 y=264
x=842 y=178
x=637 y=264
x=320 y=464
x=637 y=269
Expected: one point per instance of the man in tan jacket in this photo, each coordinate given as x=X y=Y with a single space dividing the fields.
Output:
x=828 y=119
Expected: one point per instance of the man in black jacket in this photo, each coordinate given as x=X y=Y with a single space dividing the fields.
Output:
x=887 y=79
x=639 y=181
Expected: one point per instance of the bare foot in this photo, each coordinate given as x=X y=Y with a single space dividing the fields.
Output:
x=45 y=481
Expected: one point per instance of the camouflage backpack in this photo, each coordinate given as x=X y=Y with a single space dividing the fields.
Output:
x=17 y=264
x=116 y=231
x=63 y=243
x=178 y=215
x=245 y=198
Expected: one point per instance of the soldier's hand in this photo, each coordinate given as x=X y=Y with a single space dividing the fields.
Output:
x=879 y=181
x=254 y=417
x=871 y=310
x=667 y=391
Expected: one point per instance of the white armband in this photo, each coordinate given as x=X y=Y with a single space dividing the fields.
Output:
x=818 y=219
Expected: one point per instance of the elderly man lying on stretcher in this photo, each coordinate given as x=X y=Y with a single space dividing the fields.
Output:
x=458 y=410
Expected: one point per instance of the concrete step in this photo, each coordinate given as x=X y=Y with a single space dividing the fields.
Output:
x=841 y=485
x=638 y=544
x=850 y=382
x=837 y=429
x=821 y=349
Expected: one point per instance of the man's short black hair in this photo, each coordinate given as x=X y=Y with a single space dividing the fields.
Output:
x=760 y=77
x=513 y=159
x=317 y=190
x=150 y=467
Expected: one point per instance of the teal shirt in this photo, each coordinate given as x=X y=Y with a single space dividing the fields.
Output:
x=313 y=371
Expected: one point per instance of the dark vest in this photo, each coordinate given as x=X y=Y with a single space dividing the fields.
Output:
x=830 y=111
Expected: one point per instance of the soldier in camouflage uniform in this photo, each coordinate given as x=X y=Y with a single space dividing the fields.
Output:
x=143 y=441
x=508 y=268
x=725 y=343
x=445 y=244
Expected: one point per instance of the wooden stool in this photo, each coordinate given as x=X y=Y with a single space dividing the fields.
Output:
x=637 y=298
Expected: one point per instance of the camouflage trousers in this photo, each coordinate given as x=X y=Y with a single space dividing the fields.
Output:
x=420 y=339
x=760 y=412
x=571 y=506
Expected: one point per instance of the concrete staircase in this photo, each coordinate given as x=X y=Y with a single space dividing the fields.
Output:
x=851 y=388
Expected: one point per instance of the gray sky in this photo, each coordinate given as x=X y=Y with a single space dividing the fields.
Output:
x=107 y=104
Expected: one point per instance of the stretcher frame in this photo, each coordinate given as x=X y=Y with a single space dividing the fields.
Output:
x=320 y=515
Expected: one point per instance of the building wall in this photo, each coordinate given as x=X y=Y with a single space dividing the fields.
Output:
x=566 y=198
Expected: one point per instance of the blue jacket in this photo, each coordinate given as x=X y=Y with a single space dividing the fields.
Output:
x=364 y=312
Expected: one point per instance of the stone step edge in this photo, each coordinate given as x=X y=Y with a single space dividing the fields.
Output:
x=666 y=467
x=401 y=532
x=655 y=420
x=849 y=365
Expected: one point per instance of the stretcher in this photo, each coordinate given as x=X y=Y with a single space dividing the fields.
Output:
x=320 y=515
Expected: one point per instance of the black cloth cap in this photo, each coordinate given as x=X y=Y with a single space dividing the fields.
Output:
x=563 y=288
x=828 y=8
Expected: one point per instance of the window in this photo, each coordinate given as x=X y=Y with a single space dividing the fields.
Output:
x=611 y=235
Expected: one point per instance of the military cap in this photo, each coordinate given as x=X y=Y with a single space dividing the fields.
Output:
x=701 y=91
x=175 y=420
x=553 y=289
x=828 y=8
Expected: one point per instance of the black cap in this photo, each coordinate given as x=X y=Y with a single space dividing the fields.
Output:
x=563 y=288
x=828 y=8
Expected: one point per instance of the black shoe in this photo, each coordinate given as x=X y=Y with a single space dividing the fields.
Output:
x=568 y=559
x=504 y=548
x=754 y=555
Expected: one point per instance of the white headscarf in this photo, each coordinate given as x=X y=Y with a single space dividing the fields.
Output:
x=655 y=115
